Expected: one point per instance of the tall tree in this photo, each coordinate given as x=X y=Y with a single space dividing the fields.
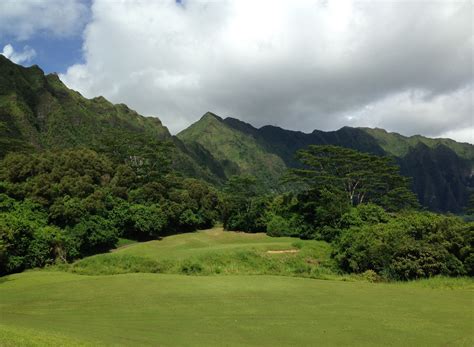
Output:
x=363 y=177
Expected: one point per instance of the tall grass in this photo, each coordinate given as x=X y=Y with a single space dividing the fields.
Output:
x=310 y=261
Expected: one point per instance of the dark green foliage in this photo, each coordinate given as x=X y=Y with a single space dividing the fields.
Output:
x=363 y=177
x=19 y=224
x=412 y=245
x=282 y=217
x=470 y=205
x=365 y=214
x=62 y=205
x=243 y=206
x=93 y=234
x=144 y=222
x=322 y=209
x=147 y=157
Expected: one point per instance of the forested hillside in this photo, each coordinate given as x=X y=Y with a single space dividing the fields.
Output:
x=440 y=169
x=38 y=111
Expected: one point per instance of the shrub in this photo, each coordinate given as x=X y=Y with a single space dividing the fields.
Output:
x=414 y=245
x=371 y=276
x=93 y=235
x=145 y=222
x=279 y=226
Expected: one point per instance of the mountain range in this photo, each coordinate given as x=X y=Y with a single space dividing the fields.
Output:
x=38 y=111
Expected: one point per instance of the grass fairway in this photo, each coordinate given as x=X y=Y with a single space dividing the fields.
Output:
x=56 y=308
x=151 y=309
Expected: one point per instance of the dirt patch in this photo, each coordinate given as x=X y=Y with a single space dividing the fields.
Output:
x=312 y=261
x=284 y=251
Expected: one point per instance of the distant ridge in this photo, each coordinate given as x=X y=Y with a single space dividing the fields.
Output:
x=441 y=169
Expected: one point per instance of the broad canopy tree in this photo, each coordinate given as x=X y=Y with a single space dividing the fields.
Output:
x=363 y=177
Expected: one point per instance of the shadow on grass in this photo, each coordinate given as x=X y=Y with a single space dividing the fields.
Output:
x=5 y=279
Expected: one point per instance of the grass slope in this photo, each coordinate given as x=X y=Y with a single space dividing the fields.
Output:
x=57 y=308
x=54 y=308
x=215 y=252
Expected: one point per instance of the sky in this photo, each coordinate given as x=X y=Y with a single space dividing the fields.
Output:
x=405 y=66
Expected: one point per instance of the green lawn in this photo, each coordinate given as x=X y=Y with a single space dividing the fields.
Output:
x=151 y=309
x=57 y=308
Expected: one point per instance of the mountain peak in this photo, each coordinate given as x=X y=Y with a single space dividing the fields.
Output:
x=211 y=116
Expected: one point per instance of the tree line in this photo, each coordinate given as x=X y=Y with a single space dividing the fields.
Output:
x=58 y=206
x=360 y=204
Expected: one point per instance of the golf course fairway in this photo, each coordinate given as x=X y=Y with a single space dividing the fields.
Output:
x=41 y=308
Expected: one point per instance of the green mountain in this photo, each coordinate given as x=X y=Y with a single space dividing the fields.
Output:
x=38 y=111
x=441 y=169
x=238 y=151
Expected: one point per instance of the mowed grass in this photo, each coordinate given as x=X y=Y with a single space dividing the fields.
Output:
x=41 y=308
x=137 y=295
x=214 y=252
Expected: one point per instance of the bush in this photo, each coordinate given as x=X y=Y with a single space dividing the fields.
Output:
x=363 y=214
x=413 y=245
x=48 y=245
x=279 y=226
x=93 y=235
x=371 y=276
x=140 y=222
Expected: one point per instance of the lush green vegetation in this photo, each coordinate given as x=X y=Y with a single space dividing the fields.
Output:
x=239 y=152
x=58 y=206
x=440 y=169
x=40 y=112
x=63 y=205
x=361 y=204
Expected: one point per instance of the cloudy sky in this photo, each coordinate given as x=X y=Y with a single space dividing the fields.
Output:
x=406 y=66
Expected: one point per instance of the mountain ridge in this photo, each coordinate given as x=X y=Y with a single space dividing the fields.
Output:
x=442 y=183
x=38 y=111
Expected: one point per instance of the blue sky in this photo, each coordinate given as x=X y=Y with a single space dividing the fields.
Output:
x=52 y=31
x=52 y=54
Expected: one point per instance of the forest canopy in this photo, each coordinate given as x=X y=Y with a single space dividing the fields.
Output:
x=61 y=205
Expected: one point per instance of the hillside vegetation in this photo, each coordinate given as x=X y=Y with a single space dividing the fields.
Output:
x=39 y=112
x=440 y=169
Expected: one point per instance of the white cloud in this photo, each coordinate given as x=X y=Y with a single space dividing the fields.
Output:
x=444 y=115
x=299 y=64
x=462 y=135
x=24 y=56
x=24 y=19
